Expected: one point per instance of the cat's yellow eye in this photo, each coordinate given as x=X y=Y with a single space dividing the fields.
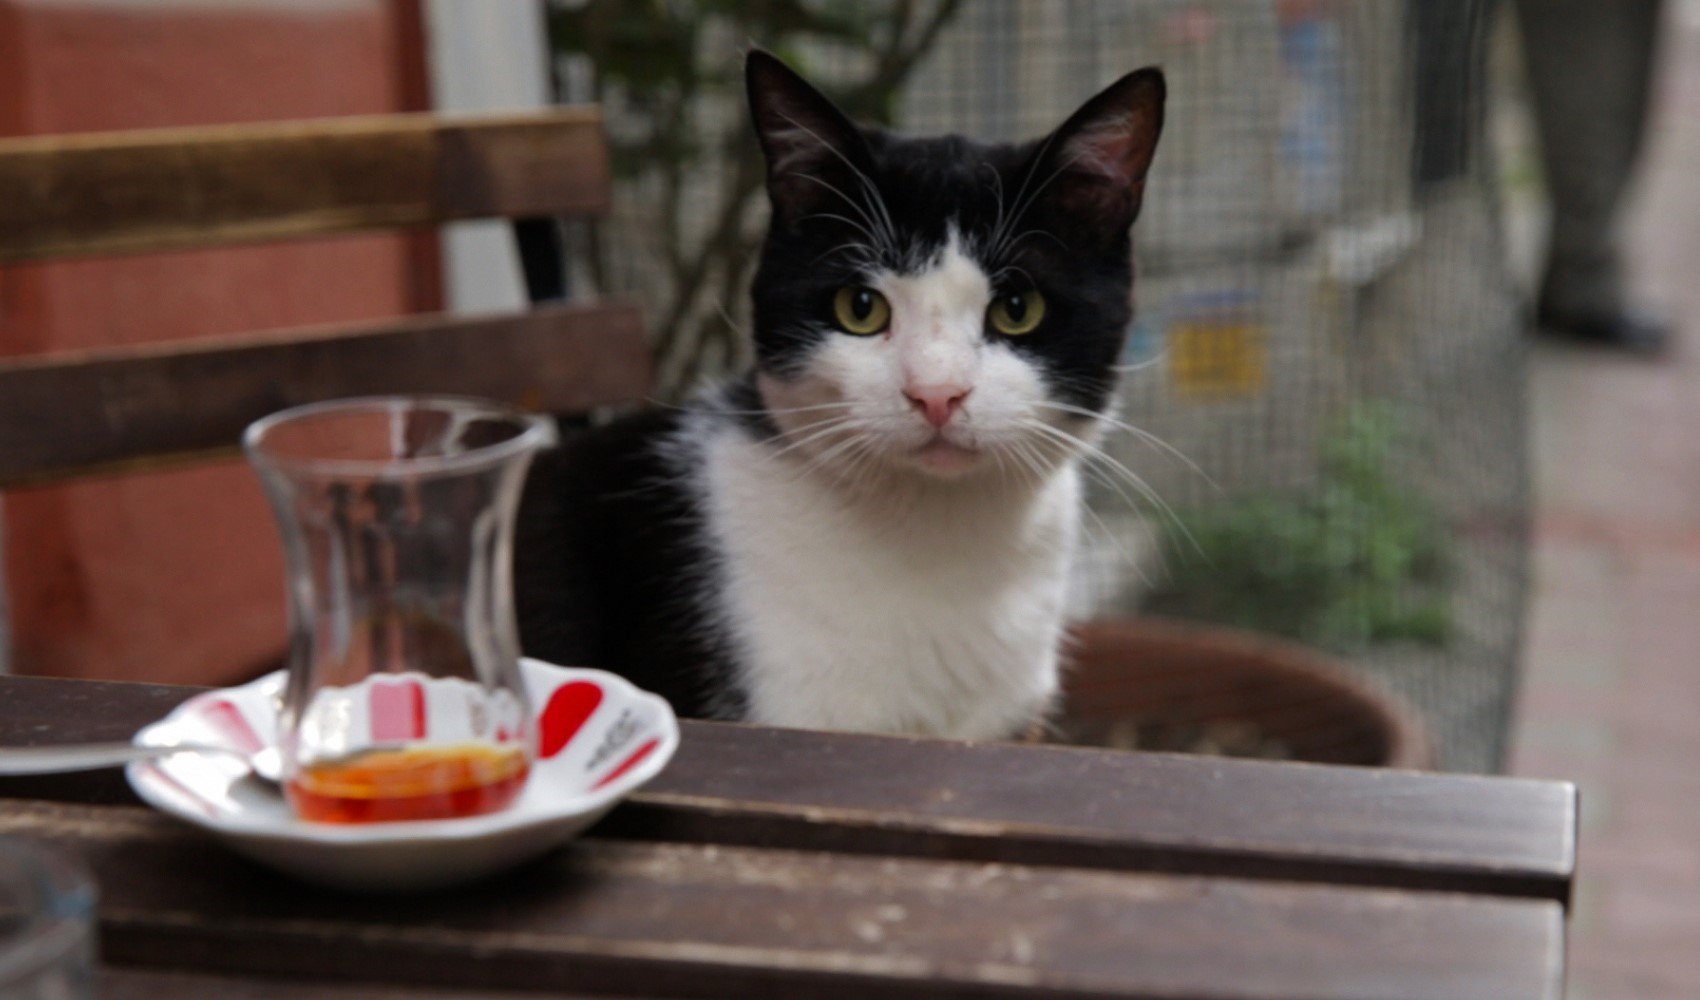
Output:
x=861 y=310
x=1017 y=313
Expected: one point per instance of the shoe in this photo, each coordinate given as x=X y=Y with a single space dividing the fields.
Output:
x=1622 y=329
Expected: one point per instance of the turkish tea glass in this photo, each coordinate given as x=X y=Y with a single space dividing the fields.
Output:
x=404 y=698
x=47 y=915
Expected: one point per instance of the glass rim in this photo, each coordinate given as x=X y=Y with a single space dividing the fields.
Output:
x=536 y=432
x=46 y=937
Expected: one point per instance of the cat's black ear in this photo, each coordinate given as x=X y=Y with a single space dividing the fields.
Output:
x=1101 y=154
x=810 y=146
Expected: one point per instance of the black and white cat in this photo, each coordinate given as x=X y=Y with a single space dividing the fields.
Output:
x=873 y=529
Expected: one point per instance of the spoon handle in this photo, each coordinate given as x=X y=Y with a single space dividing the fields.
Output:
x=88 y=756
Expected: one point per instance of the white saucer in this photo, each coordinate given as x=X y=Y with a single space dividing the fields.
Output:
x=599 y=738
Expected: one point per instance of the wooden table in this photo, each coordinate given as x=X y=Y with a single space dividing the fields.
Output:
x=780 y=863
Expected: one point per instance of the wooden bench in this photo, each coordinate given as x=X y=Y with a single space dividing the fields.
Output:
x=67 y=415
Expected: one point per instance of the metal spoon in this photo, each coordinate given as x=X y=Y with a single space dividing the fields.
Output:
x=267 y=764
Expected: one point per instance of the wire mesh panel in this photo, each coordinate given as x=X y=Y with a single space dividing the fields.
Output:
x=1323 y=383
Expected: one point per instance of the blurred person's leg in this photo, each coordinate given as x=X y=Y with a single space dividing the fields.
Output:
x=1590 y=70
x=1448 y=68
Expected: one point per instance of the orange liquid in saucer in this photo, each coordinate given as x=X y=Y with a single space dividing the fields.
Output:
x=417 y=783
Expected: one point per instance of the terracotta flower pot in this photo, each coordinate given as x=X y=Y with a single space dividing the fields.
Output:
x=1162 y=684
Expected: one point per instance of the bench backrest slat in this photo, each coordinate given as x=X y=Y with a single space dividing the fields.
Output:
x=140 y=407
x=166 y=189
x=122 y=409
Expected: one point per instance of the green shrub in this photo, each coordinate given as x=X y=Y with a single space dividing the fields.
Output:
x=1359 y=560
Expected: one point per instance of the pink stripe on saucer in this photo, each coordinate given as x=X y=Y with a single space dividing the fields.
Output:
x=229 y=721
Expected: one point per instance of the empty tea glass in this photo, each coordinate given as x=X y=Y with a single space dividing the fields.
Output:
x=404 y=698
x=47 y=905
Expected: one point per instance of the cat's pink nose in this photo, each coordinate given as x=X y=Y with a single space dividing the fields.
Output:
x=938 y=403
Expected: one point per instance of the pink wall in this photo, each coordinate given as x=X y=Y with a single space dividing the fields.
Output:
x=177 y=576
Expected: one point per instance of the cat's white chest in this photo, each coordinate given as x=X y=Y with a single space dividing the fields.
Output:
x=922 y=617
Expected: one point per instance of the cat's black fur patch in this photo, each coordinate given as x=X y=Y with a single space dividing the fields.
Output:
x=609 y=556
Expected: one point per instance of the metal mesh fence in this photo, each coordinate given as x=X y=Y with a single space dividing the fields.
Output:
x=1325 y=331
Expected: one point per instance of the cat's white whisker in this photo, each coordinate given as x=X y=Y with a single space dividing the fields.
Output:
x=1141 y=433
x=823 y=429
x=773 y=410
x=1031 y=461
x=867 y=258
x=1110 y=465
x=824 y=460
x=1139 y=366
x=867 y=466
x=1012 y=268
x=878 y=241
x=1092 y=453
x=876 y=200
x=1015 y=242
x=1024 y=203
x=1014 y=215
x=764 y=412
x=815 y=431
x=1116 y=542
x=997 y=181
x=876 y=225
x=1003 y=460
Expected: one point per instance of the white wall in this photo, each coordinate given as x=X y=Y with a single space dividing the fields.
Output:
x=485 y=56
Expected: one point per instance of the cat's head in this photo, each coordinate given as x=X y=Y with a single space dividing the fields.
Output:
x=938 y=305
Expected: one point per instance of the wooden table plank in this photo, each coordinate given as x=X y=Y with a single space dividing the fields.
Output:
x=1065 y=805
x=1004 y=802
x=36 y=711
x=131 y=983
x=628 y=918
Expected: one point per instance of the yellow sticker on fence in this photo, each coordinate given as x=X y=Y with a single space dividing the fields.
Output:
x=1217 y=357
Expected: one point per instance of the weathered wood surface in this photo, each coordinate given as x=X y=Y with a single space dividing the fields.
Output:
x=1108 y=809
x=628 y=918
x=162 y=189
x=1001 y=802
x=128 y=982
x=71 y=414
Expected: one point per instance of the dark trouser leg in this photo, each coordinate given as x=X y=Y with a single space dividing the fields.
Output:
x=1590 y=66
x=1448 y=69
